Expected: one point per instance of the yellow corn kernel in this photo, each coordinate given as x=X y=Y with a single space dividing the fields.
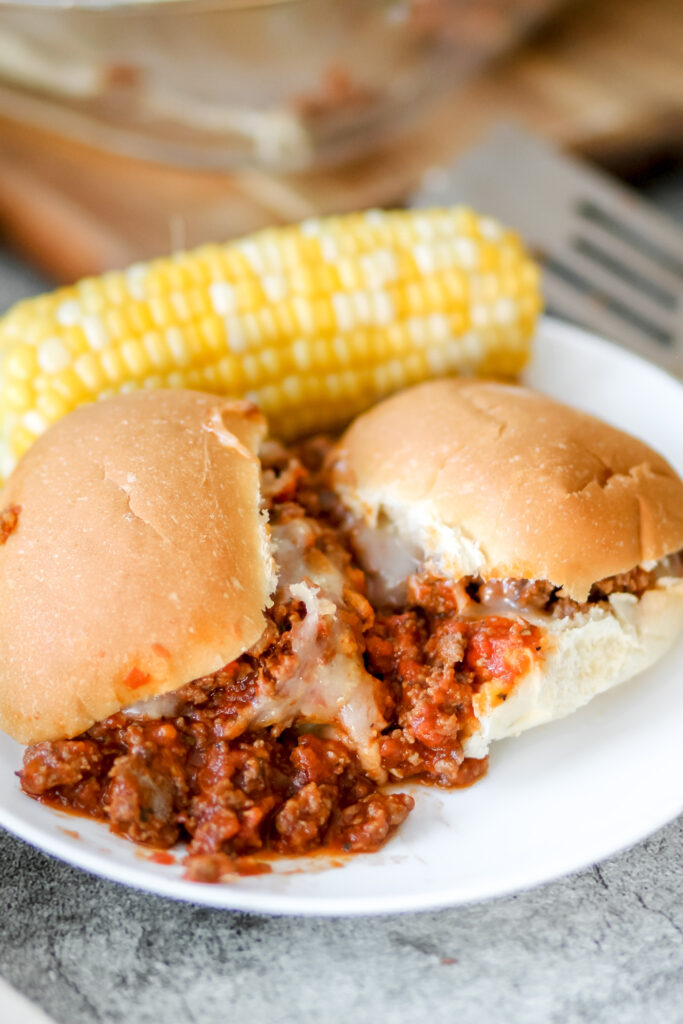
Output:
x=115 y=288
x=21 y=439
x=135 y=358
x=113 y=365
x=70 y=386
x=18 y=395
x=21 y=363
x=116 y=325
x=232 y=375
x=89 y=369
x=139 y=318
x=52 y=405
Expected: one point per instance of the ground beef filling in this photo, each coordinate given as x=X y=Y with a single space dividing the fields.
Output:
x=205 y=775
x=436 y=664
x=471 y=594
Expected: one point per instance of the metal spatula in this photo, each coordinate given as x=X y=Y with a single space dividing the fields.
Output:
x=610 y=261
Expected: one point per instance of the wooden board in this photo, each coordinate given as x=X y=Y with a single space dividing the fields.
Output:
x=604 y=79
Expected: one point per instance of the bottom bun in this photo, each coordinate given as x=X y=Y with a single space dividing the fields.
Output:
x=587 y=654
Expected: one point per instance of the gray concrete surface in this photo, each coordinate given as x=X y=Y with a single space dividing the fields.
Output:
x=603 y=946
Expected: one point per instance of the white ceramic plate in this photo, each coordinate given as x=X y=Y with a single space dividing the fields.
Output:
x=555 y=800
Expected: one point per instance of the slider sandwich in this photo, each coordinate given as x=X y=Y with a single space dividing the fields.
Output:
x=543 y=543
x=207 y=636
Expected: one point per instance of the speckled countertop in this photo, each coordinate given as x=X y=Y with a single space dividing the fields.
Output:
x=602 y=946
x=605 y=945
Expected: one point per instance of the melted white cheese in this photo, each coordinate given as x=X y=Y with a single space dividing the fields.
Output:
x=328 y=684
x=166 y=705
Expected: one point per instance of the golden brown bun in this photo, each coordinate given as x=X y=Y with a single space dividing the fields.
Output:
x=499 y=481
x=139 y=562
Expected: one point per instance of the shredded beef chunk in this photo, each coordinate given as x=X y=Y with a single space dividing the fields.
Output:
x=234 y=792
x=365 y=827
x=59 y=765
x=637 y=581
x=140 y=802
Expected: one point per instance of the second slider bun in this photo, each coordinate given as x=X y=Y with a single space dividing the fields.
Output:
x=139 y=560
x=474 y=479
x=498 y=481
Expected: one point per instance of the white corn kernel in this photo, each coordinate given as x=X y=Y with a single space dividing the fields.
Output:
x=53 y=355
x=95 y=332
x=223 y=298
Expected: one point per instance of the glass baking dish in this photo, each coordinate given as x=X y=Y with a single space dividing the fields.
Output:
x=280 y=84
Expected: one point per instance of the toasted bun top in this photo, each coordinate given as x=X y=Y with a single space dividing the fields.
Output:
x=139 y=560
x=498 y=481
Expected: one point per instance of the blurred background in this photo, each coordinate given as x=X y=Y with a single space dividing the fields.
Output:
x=131 y=129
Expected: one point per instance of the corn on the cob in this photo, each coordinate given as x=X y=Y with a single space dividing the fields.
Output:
x=314 y=321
